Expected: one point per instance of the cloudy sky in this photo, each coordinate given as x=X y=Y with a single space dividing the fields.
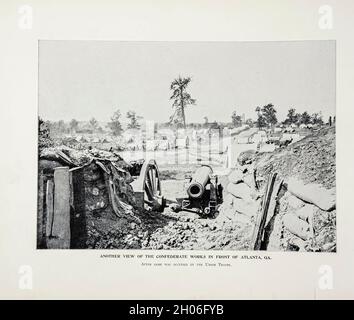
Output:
x=85 y=79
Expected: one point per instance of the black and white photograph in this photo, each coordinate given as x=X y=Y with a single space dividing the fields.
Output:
x=187 y=145
x=177 y=155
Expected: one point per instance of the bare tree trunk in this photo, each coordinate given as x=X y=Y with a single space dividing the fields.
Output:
x=182 y=110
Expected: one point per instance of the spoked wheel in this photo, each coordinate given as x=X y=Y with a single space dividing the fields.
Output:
x=147 y=188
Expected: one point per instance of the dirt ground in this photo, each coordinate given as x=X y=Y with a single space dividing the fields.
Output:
x=182 y=230
x=186 y=230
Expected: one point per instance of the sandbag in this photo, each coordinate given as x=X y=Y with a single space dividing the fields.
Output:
x=297 y=226
x=294 y=202
x=298 y=243
x=248 y=208
x=306 y=212
x=249 y=180
x=240 y=190
x=228 y=200
x=236 y=176
x=313 y=193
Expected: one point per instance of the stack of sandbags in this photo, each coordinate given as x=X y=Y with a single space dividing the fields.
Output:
x=242 y=197
x=308 y=208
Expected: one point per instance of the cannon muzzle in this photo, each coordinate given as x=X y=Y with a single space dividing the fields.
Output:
x=199 y=180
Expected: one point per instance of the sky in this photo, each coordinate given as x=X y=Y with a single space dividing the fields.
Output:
x=85 y=79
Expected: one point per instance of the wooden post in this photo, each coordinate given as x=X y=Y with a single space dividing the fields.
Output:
x=60 y=237
x=50 y=207
x=40 y=211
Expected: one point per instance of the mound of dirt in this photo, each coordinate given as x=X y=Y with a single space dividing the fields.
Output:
x=294 y=223
x=298 y=223
x=312 y=159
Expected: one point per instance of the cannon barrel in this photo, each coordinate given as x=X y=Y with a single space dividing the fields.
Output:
x=199 y=180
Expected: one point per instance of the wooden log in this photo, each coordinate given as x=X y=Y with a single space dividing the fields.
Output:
x=60 y=237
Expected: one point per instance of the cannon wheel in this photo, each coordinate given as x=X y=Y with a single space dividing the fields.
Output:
x=147 y=188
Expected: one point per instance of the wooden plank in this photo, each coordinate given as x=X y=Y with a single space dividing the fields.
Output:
x=78 y=215
x=40 y=211
x=60 y=237
x=262 y=217
x=50 y=207
x=274 y=202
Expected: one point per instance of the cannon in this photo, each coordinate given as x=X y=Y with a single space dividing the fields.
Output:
x=203 y=193
x=147 y=185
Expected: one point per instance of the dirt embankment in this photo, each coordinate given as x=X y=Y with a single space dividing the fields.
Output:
x=297 y=221
x=312 y=159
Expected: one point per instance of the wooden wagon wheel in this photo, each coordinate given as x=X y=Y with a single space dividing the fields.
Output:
x=147 y=188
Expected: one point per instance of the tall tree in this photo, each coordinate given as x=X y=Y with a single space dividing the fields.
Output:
x=260 y=118
x=181 y=99
x=305 y=118
x=298 y=118
x=269 y=114
x=133 y=124
x=291 y=116
x=115 y=124
x=236 y=120
x=316 y=118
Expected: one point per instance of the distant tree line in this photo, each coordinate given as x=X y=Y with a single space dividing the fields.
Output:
x=267 y=118
x=302 y=118
x=55 y=128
